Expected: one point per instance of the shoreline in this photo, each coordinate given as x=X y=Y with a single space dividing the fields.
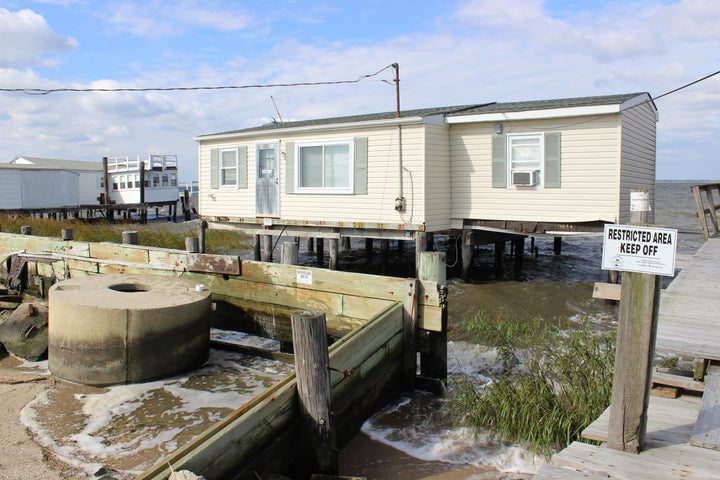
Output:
x=21 y=458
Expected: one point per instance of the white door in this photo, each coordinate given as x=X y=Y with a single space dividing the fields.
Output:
x=267 y=186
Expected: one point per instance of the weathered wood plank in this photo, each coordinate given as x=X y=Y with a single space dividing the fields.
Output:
x=555 y=472
x=686 y=383
x=111 y=251
x=221 y=264
x=707 y=429
x=606 y=291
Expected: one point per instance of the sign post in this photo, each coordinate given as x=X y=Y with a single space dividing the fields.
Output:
x=643 y=254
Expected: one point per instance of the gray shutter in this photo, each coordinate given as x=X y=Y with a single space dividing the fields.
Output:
x=290 y=167
x=214 y=168
x=242 y=167
x=499 y=161
x=361 y=165
x=552 y=160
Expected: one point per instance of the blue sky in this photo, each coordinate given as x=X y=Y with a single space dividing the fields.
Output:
x=449 y=51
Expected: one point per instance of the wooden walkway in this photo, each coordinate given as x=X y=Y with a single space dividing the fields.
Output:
x=689 y=319
x=688 y=325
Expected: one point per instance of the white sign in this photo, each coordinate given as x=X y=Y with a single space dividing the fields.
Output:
x=304 y=277
x=630 y=248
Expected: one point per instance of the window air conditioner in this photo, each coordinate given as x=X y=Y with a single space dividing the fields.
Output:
x=524 y=178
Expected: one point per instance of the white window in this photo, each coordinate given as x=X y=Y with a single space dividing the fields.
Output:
x=122 y=182
x=173 y=180
x=229 y=167
x=155 y=181
x=165 y=180
x=324 y=167
x=137 y=180
x=525 y=153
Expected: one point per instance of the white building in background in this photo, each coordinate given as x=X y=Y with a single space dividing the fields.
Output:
x=160 y=173
x=31 y=182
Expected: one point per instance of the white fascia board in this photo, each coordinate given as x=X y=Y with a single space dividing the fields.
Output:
x=536 y=114
x=313 y=128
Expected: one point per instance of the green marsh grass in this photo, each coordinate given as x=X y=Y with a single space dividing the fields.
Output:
x=554 y=381
x=161 y=235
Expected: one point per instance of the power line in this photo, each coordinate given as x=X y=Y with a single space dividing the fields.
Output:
x=688 y=84
x=43 y=91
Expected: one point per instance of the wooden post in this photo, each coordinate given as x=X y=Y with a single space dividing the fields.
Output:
x=310 y=245
x=420 y=247
x=201 y=235
x=557 y=245
x=289 y=253
x=632 y=381
x=499 y=252
x=130 y=237
x=192 y=244
x=143 y=207
x=467 y=251
x=635 y=351
x=333 y=254
x=186 y=205
x=346 y=243
x=519 y=247
x=433 y=364
x=266 y=250
x=320 y=250
x=26 y=230
x=109 y=213
x=309 y=333
x=410 y=321
x=257 y=248
x=369 y=248
x=385 y=254
x=67 y=234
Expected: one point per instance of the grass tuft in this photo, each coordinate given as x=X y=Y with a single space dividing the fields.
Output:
x=554 y=382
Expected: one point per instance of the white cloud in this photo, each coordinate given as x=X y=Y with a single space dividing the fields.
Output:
x=160 y=18
x=28 y=40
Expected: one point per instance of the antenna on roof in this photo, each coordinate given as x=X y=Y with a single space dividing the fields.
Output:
x=276 y=108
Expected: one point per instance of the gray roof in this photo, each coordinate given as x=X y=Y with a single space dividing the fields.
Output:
x=53 y=164
x=452 y=111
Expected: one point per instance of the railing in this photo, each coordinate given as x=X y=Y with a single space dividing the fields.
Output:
x=151 y=162
x=707 y=215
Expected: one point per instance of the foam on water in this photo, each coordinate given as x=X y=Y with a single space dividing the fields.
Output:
x=420 y=424
x=129 y=427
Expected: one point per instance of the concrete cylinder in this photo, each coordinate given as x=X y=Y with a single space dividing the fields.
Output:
x=114 y=329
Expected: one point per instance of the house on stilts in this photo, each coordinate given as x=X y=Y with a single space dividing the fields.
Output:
x=488 y=173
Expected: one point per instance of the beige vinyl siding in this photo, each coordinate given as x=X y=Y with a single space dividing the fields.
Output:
x=437 y=184
x=377 y=206
x=638 y=157
x=225 y=201
x=590 y=156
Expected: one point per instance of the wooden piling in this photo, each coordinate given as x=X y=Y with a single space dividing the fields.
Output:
x=410 y=320
x=310 y=245
x=266 y=250
x=467 y=251
x=637 y=330
x=201 y=235
x=26 y=230
x=320 y=250
x=333 y=254
x=256 y=250
x=635 y=352
x=499 y=252
x=433 y=364
x=369 y=248
x=130 y=237
x=309 y=333
x=346 y=243
x=289 y=253
x=557 y=245
x=192 y=244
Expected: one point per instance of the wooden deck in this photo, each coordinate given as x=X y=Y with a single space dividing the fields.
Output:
x=667 y=454
x=688 y=325
x=688 y=322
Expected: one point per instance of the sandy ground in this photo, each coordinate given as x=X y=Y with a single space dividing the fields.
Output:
x=20 y=457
